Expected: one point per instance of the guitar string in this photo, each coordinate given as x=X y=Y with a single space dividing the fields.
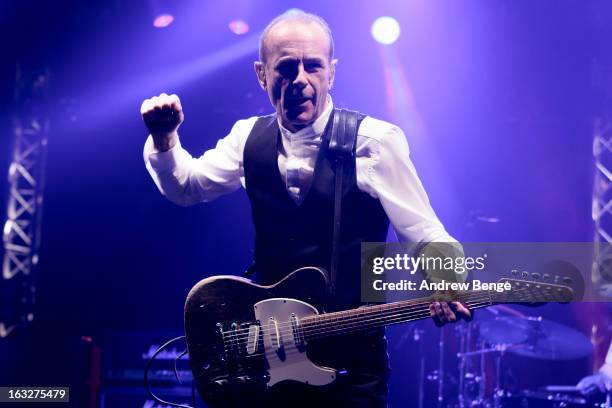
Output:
x=392 y=317
x=400 y=319
x=348 y=322
x=375 y=310
x=397 y=319
x=294 y=351
x=388 y=317
x=346 y=326
x=328 y=320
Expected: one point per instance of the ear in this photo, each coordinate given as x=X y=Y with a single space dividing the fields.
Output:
x=260 y=71
x=332 y=72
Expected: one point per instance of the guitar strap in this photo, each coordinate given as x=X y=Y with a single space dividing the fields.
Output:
x=341 y=150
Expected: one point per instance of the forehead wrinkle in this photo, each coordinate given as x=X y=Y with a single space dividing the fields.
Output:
x=298 y=38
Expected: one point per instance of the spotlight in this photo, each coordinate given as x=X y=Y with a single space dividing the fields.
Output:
x=238 y=27
x=163 y=20
x=385 y=30
x=8 y=226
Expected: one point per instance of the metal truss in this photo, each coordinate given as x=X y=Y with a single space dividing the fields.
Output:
x=21 y=233
x=602 y=205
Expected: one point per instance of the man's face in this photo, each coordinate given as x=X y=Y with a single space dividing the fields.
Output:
x=297 y=73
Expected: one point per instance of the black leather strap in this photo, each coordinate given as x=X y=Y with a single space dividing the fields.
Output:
x=344 y=133
x=341 y=149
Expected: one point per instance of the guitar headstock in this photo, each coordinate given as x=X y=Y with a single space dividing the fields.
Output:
x=529 y=291
x=553 y=281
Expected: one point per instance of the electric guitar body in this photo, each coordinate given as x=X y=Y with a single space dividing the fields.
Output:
x=245 y=338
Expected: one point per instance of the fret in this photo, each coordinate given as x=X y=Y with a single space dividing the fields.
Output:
x=409 y=310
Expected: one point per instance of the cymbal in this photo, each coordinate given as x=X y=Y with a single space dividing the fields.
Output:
x=535 y=337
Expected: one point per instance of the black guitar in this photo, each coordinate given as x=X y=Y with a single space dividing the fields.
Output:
x=245 y=337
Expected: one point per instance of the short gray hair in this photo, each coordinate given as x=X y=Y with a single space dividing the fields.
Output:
x=296 y=15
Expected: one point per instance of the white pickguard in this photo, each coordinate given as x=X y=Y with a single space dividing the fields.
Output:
x=286 y=360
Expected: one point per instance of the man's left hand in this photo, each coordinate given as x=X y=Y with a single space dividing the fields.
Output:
x=448 y=312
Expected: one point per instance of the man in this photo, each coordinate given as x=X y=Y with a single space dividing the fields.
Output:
x=601 y=381
x=282 y=162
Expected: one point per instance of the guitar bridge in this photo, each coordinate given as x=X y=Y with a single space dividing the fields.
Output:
x=241 y=339
x=253 y=339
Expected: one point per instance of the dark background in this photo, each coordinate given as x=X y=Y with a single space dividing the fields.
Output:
x=497 y=100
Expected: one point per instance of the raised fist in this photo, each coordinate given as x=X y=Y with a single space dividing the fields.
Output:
x=162 y=115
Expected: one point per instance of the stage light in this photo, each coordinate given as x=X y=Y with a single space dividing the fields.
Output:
x=163 y=20
x=8 y=226
x=238 y=27
x=385 y=30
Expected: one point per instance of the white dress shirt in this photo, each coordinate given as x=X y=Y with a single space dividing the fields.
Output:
x=384 y=171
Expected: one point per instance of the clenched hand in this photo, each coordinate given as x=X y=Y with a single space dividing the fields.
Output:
x=162 y=116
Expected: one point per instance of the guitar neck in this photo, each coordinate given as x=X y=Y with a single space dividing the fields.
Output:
x=374 y=316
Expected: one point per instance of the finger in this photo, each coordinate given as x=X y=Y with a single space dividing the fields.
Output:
x=448 y=313
x=144 y=108
x=434 y=314
x=162 y=99
x=166 y=111
x=439 y=311
x=175 y=99
x=155 y=104
x=462 y=310
x=432 y=309
x=177 y=107
x=175 y=102
x=166 y=100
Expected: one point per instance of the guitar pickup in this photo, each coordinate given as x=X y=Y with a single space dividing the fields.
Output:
x=274 y=333
x=253 y=339
x=298 y=338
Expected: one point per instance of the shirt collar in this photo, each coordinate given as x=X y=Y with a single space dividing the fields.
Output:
x=311 y=131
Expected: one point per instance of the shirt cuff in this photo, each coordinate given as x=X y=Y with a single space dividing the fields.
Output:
x=161 y=162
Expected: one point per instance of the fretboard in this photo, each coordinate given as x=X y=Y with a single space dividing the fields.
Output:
x=374 y=316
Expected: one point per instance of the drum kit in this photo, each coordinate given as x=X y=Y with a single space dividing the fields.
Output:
x=483 y=350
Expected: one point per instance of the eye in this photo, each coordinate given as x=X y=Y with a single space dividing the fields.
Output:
x=287 y=69
x=312 y=66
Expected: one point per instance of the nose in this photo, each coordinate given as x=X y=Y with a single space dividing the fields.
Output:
x=300 y=77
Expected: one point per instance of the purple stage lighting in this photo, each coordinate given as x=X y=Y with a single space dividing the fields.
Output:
x=238 y=27
x=385 y=30
x=163 y=20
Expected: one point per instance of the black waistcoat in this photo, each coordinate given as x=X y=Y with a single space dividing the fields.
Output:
x=289 y=236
